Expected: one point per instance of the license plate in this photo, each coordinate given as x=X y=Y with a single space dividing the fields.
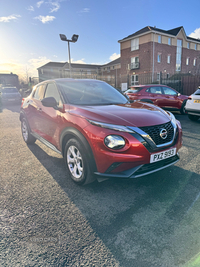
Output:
x=163 y=155
x=196 y=101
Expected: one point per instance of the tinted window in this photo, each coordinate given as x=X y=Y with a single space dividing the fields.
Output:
x=39 y=92
x=197 y=92
x=134 y=90
x=52 y=91
x=155 y=90
x=91 y=93
x=169 y=91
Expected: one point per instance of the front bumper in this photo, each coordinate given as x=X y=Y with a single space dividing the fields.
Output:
x=134 y=159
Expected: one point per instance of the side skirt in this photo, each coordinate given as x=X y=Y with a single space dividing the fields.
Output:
x=45 y=142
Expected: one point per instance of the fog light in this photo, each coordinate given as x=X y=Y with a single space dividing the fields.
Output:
x=114 y=141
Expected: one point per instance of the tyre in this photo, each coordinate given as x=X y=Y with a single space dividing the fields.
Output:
x=78 y=167
x=183 y=110
x=193 y=117
x=28 y=138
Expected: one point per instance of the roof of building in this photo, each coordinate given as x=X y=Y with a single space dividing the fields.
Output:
x=114 y=62
x=146 y=29
x=53 y=64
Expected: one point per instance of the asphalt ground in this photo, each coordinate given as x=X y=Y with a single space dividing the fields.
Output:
x=47 y=220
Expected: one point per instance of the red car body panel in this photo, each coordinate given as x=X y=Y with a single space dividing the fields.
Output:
x=161 y=100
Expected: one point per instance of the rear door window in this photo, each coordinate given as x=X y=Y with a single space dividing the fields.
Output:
x=155 y=90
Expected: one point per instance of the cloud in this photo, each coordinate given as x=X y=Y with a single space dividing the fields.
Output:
x=39 y=3
x=30 y=8
x=84 y=10
x=22 y=70
x=195 y=34
x=45 y=19
x=114 y=56
x=55 y=7
x=80 y=61
x=9 y=18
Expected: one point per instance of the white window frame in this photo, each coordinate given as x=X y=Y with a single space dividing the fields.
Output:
x=194 y=62
x=188 y=45
x=134 y=44
x=158 y=76
x=169 y=41
x=187 y=61
x=134 y=79
x=195 y=46
x=168 y=59
x=159 y=58
x=159 y=39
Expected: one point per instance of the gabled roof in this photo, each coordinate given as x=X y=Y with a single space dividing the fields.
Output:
x=53 y=65
x=173 y=32
x=114 y=62
x=82 y=66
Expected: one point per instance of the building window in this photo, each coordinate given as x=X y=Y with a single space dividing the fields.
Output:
x=169 y=41
x=195 y=47
x=134 y=80
x=159 y=58
x=194 y=62
x=168 y=75
x=187 y=61
x=188 y=45
x=135 y=44
x=169 y=59
x=159 y=39
x=158 y=76
x=134 y=62
x=178 y=55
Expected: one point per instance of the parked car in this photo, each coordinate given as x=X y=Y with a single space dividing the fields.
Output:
x=98 y=131
x=160 y=95
x=193 y=105
x=10 y=95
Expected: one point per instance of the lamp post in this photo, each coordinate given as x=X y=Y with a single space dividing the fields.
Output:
x=73 y=40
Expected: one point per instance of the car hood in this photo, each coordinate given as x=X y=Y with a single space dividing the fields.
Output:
x=137 y=114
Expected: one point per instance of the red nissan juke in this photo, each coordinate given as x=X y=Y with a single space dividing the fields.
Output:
x=98 y=131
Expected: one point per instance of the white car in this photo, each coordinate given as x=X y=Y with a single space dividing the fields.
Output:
x=193 y=105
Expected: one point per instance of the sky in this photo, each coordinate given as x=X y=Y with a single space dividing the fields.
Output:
x=29 y=29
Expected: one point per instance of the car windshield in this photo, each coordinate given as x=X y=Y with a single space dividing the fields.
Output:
x=9 y=90
x=133 y=90
x=90 y=93
x=197 y=92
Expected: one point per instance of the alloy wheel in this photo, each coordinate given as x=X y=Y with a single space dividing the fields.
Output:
x=75 y=162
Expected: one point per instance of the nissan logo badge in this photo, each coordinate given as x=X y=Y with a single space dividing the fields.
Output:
x=163 y=133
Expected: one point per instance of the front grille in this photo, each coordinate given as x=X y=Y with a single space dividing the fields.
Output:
x=154 y=132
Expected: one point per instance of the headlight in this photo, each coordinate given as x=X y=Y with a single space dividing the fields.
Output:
x=173 y=119
x=114 y=141
x=111 y=126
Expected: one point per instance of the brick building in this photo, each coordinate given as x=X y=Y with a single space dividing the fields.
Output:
x=147 y=56
x=150 y=52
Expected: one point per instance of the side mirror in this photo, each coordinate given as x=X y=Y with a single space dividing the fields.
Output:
x=49 y=102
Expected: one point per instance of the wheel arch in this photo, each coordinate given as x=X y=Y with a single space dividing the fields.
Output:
x=71 y=132
x=147 y=100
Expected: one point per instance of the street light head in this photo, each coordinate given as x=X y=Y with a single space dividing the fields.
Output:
x=63 y=37
x=74 y=38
